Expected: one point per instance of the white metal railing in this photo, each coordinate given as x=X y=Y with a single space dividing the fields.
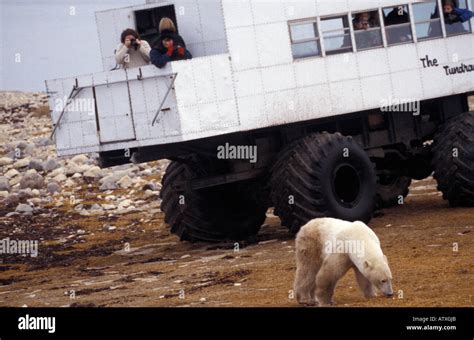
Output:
x=76 y=89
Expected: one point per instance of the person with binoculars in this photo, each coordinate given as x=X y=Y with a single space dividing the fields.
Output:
x=132 y=52
x=170 y=46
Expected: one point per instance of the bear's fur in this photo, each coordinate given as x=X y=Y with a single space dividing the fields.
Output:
x=320 y=265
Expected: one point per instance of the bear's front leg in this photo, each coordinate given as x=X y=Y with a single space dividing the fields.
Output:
x=364 y=284
x=325 y=285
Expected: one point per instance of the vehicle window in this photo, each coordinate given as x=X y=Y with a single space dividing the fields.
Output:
x=427 y=20
x=452 y=20
x=397 y=25
x=304 y=39
x=367 y=30
x=147 y=21
x=336 y=35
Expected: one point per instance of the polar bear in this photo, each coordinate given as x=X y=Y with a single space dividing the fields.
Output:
x=326 y=248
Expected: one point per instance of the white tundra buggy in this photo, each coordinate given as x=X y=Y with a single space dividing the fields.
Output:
x=313 y=107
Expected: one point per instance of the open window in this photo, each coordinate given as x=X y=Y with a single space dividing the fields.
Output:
x=336 y=35
x=367 y=30
x=148 y=20
x=304 y=39
x=205 y=35
x=427 y=20
x=397 y=25
x=453 y=23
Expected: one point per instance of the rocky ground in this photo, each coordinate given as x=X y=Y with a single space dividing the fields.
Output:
x=103 y=241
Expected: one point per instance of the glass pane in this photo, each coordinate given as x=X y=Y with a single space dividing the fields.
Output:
x=303 y=31
x=365 y=20
x=341 y=43
x=425 y=11
x=336 y=35
x=333 y=24
x=308 y=49
x=368 y=39
x=429 y=30
x=399 y=34
x=396 y=15
x=458 y=28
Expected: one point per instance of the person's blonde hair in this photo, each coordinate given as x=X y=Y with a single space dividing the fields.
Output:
x=166 y=24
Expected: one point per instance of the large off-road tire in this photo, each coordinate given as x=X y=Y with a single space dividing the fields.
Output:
x=322 y=175
x=390 y=189
x=233 y=211
x=453 y=160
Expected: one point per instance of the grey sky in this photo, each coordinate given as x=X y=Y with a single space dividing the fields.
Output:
x=50 y=41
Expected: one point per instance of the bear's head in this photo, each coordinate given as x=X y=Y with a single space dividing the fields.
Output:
x=379 y=274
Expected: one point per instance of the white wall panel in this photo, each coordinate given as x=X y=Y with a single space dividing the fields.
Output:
x=297 y=9
x=113 y=107
x=459 y=48
x=346 y=94
x=280 y=106
x=327 y=7
x=221 y=69
x=215 y=47
x=252 y=112
x=360 y=5
x=212 y=20
x=402 y=57
x=314 y=101
x=265 y=11
x=372 y=62
x=204 y=82
x=342 y=67
x=277 y=78
x=237 y=13
x=186 y=95
x=189 y=21
x=407 y=85
x=310 y=71
x=110 y=25
x=375 y=90
x=242 y=48
x=273 y=45
x=248 y=83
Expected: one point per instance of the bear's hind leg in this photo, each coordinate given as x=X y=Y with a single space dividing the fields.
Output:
x=305 y=280
x=364 y=284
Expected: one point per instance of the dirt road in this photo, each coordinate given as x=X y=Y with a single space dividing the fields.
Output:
x=134 y=261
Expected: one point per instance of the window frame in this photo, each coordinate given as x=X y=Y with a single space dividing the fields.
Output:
x=410 y=24
x=319 y=38
x=469 y=22
x=441 y=22
x=379 y=28
x=350 y=34
x=316 y=39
